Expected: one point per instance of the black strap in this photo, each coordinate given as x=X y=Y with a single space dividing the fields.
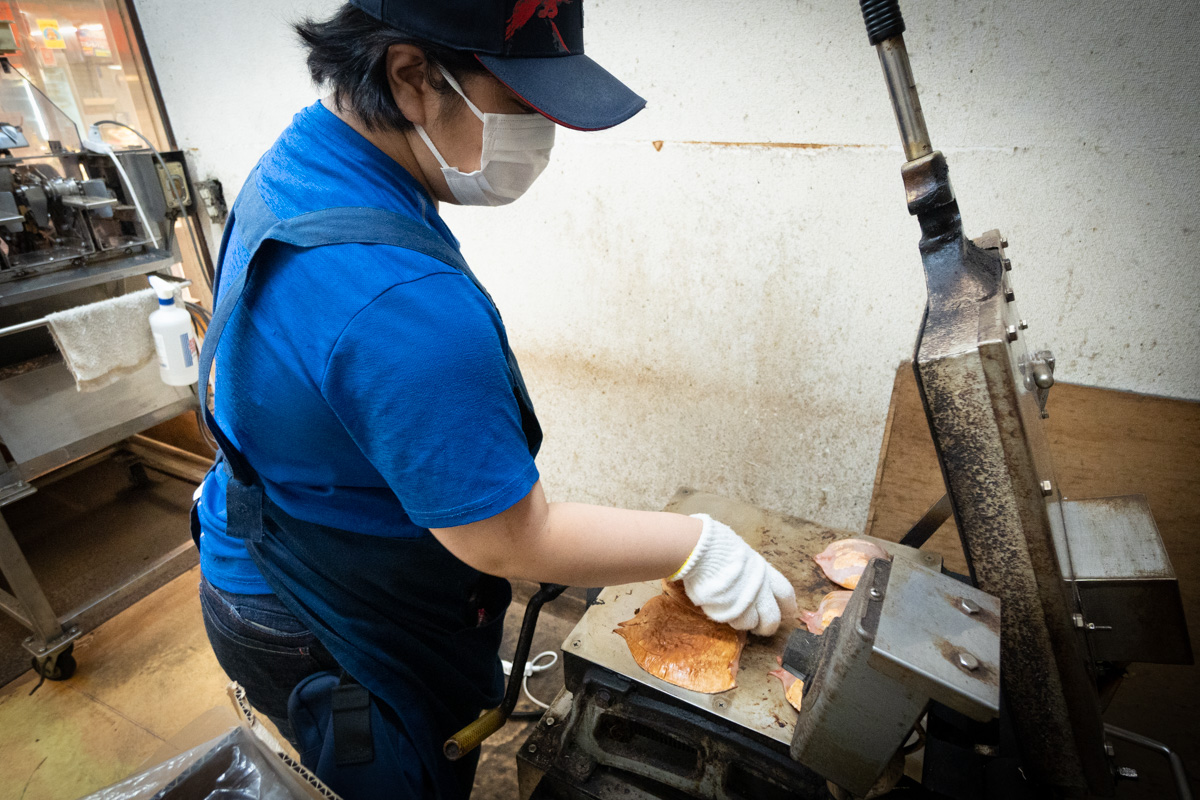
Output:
x=351 y=722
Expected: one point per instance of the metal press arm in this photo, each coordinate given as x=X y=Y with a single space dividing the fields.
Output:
x=1007 y=533
x=885 y=30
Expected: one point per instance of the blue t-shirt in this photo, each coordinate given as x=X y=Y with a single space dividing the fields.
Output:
x=366 y=384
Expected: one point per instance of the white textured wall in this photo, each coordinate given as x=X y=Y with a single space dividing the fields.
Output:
x=718 y=292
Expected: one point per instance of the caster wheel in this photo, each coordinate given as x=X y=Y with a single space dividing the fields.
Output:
x=62 y=668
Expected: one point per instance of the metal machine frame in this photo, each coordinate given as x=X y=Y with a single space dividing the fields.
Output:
x=78 y=227
x=52 y=635
x=984 y=395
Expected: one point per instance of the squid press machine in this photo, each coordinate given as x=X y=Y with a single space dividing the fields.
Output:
x=991 y=684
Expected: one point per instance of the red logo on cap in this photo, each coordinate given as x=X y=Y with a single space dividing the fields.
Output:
x=524 y=10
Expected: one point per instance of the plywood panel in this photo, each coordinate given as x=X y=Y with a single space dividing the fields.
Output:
x=1103 y=443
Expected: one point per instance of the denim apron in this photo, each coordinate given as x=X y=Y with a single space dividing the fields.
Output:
x=405 y=618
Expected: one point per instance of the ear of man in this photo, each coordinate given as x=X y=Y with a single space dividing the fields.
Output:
x=407 y=71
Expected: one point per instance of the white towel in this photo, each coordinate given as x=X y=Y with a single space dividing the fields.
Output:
x=101 y=342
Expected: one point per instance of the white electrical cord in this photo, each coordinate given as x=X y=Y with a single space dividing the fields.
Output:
x=532 y=699
x=532 y=667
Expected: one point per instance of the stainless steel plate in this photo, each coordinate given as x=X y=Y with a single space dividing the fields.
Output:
x=45 y=422
x=757 y=702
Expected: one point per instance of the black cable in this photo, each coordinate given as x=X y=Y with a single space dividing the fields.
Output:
x=41 y=670
x=520 y=715
x=200 y=313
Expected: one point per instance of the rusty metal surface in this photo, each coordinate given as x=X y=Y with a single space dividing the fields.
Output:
x=986 y=426
x=539 y=751
x=853 y=718
x=758 y=702
x=1035 y=489
x=989 y=517
x=925 y=629
x=640 y=745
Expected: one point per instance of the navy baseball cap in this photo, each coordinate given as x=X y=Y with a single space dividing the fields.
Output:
x=534 y=47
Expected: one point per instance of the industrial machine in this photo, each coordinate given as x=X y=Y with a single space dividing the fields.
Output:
x=77 y=226
x=930 y=684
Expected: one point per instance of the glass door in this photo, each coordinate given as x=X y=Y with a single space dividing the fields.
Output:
x=84 y=55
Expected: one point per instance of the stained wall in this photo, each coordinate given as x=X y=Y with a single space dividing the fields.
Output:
x=718 y=292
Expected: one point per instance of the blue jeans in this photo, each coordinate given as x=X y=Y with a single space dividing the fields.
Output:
x=262 y=646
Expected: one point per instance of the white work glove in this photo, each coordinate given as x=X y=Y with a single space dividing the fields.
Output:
x=733 y=583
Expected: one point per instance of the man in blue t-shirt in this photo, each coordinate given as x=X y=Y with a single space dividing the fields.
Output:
x=371 y=388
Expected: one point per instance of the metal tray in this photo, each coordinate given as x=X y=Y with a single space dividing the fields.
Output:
x=757 y=702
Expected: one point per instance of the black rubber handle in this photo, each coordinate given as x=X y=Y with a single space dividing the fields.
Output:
x=491 y=721
x=883 y=19
x=545 y=593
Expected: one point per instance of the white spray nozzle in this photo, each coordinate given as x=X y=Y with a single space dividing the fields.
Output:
x=164 y=289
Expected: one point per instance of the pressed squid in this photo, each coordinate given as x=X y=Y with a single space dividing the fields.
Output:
x=793 y=687
x=831 y=607
x=672 y=639
x=843 y=561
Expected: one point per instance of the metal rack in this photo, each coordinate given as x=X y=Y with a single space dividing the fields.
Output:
x=79 y=223
x=52 y=635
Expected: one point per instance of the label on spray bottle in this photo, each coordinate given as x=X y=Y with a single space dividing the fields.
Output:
x=188 y=352
x=160 y=347
x=188 y=344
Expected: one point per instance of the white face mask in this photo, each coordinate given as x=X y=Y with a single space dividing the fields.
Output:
x=516 y=148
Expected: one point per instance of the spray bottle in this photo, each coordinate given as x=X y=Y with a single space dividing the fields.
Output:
x=174 y=338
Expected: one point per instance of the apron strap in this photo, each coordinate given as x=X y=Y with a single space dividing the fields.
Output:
x=258 y=225
x=351 y=723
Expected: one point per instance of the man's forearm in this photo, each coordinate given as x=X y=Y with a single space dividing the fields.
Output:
x=586 y=545
x=583 y=545
x=575 y=543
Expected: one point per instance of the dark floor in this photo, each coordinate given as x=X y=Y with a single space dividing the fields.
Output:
x=88 y=533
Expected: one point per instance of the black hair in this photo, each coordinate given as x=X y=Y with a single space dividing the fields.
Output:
x=348 y=53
